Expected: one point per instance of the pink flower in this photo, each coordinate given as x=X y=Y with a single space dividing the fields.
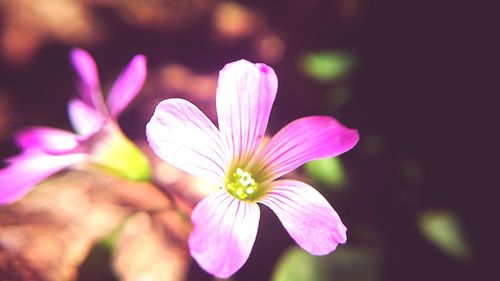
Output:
x=235 y=158
x=46 y=151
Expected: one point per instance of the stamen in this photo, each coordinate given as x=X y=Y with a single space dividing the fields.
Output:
x=241 y=185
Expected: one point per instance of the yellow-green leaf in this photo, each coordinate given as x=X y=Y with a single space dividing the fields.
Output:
x=344 y=264
x=297 y=265
x=329 y=172
x=327 y=65
x=444 y=230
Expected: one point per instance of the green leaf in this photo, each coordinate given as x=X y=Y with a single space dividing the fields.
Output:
x=329 y=172
x=297 y=265
x=444 y=230
x=327 y=66
x=344 y=264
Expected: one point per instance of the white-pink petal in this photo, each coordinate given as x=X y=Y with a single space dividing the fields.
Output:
x=303 y=140
x=89 y=79
x=28 y=169
x=224 y=233
x=181 y=135
x=306 y=215
x=51 y=140
x=127 y=86
x=85 y=119
x=245 y=95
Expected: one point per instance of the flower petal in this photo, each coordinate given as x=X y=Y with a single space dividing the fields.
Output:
x=181 y=135
x=306 y=215
x=30 y=168
x=89 y=79
x=85 y=119
x=245 y=95
x=127 y=86
x=48 y=139
x=303 y=140
x=224 y=233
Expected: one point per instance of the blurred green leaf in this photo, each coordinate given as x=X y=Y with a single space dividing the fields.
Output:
x=297 y=265
x=444 y=230
x=327 y=65
x=344 y=264
x=329 y=172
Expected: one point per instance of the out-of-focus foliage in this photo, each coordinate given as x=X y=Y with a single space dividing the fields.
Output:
x=29 y=24
x=152 y=248
x=328 y=172
x=327 y=66
x=232 y=20
x=297 y=265
x=344 y=264
x=444 y=230
x=55 y=227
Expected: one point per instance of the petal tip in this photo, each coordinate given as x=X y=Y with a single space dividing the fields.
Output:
x=264 y=68
x=77 y=52
x=140 y=61
x=352 y=137
x=77 y=55
x=128 y=84
x=347 y=136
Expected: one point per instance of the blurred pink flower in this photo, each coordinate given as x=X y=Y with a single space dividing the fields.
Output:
x=235 y=158
x=46 y=151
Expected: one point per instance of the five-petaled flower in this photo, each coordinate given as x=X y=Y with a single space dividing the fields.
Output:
x=235 y=158
x=98 y=139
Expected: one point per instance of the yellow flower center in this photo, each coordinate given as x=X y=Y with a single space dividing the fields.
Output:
x=242 y=185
